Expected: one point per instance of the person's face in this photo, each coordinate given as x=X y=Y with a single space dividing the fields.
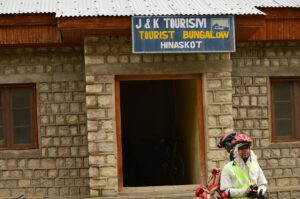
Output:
x=244 y=152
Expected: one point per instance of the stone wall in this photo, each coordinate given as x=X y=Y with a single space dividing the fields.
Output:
x=219 y=115
x=59 y=167
x=76 y=158
x=106 y=57
x=253 y=64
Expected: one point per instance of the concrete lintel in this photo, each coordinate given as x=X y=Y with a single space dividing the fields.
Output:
x=32 y=78
x=24 y=78
x=161 y=68
x=266 y=71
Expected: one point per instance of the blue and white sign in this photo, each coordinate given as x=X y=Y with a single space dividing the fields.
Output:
x=183 y=34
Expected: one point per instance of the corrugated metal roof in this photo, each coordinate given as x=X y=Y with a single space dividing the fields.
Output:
x=274 y=3
x=73 y=8
x=27 y=6
x=289 y=3
x=236 y=7
x=81 y=8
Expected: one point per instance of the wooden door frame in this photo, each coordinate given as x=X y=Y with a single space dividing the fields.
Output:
x=202 y=153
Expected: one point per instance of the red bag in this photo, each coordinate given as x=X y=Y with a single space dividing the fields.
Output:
x=212 y=190
x=202 y=192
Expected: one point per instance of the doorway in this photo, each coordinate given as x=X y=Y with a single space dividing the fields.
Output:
x=160 y=131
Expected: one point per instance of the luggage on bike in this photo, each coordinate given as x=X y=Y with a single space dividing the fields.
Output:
x=212 y=189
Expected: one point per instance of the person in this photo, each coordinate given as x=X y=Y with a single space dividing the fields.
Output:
x=243 y=177
x=227 y=141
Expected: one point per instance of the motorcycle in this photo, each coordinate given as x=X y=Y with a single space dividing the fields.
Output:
x=212 y=189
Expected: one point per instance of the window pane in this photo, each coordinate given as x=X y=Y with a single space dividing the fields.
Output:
x=1 y=117
x=282 y=91
x=283 y=128
x=22 y=135
x=1 y=136
x=283 y=110
x=21 y=117
x=16 y=116
x=21 y=98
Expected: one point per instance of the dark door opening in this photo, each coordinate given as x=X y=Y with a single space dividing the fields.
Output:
x=159 y=125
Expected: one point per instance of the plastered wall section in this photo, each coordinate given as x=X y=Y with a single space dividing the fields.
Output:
x=106 y=57
x=58 y=168
x=253 y=65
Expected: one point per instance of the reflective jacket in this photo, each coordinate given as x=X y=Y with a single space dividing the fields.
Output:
x=237 y=176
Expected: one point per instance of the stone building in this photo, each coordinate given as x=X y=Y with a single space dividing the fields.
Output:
x=82 y=116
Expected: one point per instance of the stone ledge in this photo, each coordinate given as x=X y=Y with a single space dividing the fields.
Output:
x=283 y=188
x=266 y=71
x=29 y=153
x=281 y=145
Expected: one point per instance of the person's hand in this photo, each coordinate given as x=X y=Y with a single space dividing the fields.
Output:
x=251 y=191
x=251 y=194
x=261 y=191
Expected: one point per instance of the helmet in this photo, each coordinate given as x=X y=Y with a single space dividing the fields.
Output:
x=242 y=140
x=226 y=140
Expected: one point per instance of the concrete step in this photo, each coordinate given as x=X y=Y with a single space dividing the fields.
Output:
x=157 y=195
x=155 y=192
x=185 y=195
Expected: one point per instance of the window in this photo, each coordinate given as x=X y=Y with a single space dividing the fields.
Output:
x=17 y=117
x=285 y=95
